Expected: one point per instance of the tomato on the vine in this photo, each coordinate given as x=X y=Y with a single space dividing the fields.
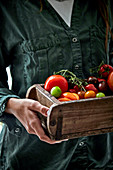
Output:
x=56 y=80
x=105 y=70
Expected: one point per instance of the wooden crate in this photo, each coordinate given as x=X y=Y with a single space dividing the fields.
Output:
x=74 y=119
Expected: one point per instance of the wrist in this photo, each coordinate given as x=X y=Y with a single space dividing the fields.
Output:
x=11 y=105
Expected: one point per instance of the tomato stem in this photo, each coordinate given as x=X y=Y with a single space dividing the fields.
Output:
x=71 y=78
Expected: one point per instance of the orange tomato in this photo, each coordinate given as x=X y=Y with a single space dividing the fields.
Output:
x=76 y=95
x=72 y=96
x=90 y=94
x=63 y=99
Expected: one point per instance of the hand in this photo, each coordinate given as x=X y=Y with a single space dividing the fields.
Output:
x=25 y=110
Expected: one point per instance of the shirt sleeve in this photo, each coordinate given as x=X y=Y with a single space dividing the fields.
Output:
x=5 y=93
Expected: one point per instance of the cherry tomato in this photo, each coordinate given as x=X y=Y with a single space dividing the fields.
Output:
x=64 y=99
x=100 y=80
x=76 y=95
x=91 y=87
x=76 y=88
x=56 y=80
x=110 y=81
x=72 y=96
x=92 y=80
x=72 y=90
x=81 y=94
x=105 y=70
x=90 y=94
x=100 y=94
x=56 y=91
x=102 y=86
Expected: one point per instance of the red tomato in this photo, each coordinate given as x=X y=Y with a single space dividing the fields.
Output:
x=105 y=70
x=76 y=88
x=103 y=86
x=91 y=87
x=110 y=81
x=72 y=90
x=100 y=80
x=56 y=80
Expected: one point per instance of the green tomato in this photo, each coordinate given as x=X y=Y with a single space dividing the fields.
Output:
x=56 y=91
x=100 y=94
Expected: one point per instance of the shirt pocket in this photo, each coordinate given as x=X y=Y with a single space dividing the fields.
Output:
x=41 y=58
x=97 y=43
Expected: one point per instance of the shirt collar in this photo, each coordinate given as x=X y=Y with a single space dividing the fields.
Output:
x=64 y=9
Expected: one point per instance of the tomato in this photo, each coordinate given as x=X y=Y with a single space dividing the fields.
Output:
x=72 y=96
x=76 y=88
x=103 y=86
x=64 y=99
x=105 y=70
x=100 y=94
x=56 y=80
x=81 y=94
x=56 y=91
x=72 y=90
x=76 y=95
x=110 y=81
x=90 y=94
x=100 y=80
x=91 y=87
x=92 y=80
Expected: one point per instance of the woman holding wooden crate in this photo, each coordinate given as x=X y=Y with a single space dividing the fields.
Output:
x=36 y=39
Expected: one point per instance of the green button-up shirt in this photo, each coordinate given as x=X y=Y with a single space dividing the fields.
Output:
x=35 y=44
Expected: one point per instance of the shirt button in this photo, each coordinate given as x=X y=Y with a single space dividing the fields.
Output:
x=76 y=67
x=74 y=39
x=81 y=143
x=17 y=130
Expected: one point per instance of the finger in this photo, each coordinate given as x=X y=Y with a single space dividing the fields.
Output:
x=42 y=136
x=36 y=106
x=43 y=110
x=36 y=127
